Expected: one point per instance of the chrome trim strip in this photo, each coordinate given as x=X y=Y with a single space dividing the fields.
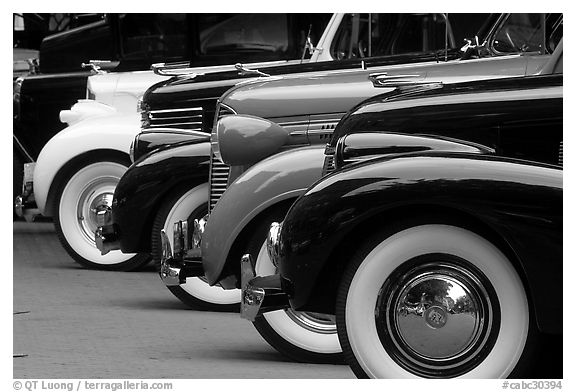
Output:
x=163 y=125
x=176 y=110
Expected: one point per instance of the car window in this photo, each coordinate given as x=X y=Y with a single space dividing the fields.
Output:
x=153 y=36
x=243 y=32
x=367 y=35
x=528 y=33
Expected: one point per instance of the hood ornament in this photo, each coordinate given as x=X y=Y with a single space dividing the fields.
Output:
x=100 y=66
x=174 y=69
x=244 y=71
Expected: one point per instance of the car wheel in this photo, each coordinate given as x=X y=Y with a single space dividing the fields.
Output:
x=432 y=301
x=82 y=191
x=17 y=178
x=301 y=336
x=190 y=204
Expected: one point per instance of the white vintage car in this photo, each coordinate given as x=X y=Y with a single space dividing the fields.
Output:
x=78 y=169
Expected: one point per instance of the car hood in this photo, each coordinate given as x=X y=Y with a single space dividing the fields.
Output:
x=294 y=96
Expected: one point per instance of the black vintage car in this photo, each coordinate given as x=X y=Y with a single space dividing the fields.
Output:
x=163 y=187
x=437 y=260
x=133 y=42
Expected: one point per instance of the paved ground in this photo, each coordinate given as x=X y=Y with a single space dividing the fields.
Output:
x=77 y=323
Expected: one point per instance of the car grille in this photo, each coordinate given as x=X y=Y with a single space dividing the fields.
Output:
x=223 y=110
x=561 y=154
x=219 y=173
x=185 y=118
x=328 y=165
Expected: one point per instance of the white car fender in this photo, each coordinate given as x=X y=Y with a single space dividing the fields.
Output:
x=84 y=109
x=112 y=132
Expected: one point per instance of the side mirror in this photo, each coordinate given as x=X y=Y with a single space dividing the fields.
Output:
x=472 y=47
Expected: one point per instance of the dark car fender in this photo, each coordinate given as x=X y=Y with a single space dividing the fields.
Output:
x=147 y=182
x=282 y=177
x=516 y=204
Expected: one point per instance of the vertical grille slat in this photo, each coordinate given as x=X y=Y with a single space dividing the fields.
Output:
x=218 y=180
x=561 y=154
x=219 y=172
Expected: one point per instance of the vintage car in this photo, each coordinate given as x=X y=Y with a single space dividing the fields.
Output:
x=154 y=184
x=431 y=240
x=435 y=264
x=269 y=188
x=80 y=166
x=263 y=193
x=198 y=38
x=133 y=42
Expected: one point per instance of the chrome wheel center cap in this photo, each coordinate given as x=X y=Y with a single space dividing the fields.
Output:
x=435 y=317
x=100 y=203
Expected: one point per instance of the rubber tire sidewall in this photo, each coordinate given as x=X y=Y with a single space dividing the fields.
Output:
x=275 y=332
x=80 y=251
x=367 y=273
x=195 y=293
x=291 y=339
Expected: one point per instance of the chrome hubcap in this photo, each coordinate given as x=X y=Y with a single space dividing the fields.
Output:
x=437 y=319
x=96 y=198
x=315 y=322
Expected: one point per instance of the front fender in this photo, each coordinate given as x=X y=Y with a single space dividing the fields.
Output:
x=83 y=109
x=114 y=132
x=518 y=204
x=147 y=182
x=281 y=177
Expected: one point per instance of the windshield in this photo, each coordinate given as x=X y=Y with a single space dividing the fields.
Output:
x=368 y=35
x=529 y=33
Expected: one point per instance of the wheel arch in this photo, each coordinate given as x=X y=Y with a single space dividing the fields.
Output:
x=323 y=296
x=232 y=265
x=69 y=166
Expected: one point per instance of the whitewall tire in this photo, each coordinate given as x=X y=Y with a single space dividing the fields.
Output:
x=190 y=204
x=432 y=300
x=82 y=191
x=301 y=336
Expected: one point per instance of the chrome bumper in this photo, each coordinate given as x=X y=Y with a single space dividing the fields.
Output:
x=184 y=263
x=106 y=235
x=260 y=294
x=25 y=204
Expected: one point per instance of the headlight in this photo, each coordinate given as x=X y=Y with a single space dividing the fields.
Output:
x=241 y=139
x=214 y=141
x=221 y=111
x=132 y=151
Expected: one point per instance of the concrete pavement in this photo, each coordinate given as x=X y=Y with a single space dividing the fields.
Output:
x=71 y=322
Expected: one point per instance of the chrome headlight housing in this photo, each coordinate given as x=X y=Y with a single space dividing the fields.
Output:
x=132 y=151
x=17 y=87
x=214 y=142
x=221 y=111
x=273 y=243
